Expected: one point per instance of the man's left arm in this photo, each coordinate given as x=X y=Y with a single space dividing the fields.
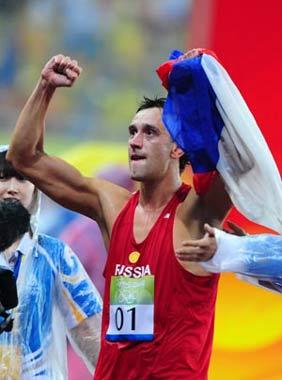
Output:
x=214 y=202
x=210 y=206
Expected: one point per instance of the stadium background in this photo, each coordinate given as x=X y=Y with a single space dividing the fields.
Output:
x=119 y=44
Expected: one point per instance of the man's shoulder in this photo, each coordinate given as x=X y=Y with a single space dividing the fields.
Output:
x=111 y=197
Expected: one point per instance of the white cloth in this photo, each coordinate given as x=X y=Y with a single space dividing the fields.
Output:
x=246 y=164
x=257 y=258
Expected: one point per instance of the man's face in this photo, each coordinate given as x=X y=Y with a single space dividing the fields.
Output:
x=149 y=145
x=16 y=188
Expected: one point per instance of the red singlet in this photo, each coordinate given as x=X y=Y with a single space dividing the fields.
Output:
x=181 y=316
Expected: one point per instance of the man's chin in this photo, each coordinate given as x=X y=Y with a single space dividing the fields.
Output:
x=139 y=177
x=136 y=177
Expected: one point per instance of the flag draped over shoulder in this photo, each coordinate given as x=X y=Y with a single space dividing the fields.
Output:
x=207 y=117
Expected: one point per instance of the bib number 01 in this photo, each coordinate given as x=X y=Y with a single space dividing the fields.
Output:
x=119 y=318
x=131 y=309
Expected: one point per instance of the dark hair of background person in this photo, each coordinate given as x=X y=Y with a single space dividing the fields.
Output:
x=6 y=169
x=14 y=222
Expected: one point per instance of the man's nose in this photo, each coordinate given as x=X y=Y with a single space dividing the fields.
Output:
x=137 y=140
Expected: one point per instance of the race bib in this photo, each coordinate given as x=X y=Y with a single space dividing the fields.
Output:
x=131 y=309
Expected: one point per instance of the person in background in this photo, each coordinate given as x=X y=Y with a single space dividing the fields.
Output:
x=14 y=223
x=56 y=296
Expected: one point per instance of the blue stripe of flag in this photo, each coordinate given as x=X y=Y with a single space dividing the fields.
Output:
x=190 y=114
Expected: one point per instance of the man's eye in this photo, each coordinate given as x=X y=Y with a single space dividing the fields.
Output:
x=132 y=132
x=150 y=132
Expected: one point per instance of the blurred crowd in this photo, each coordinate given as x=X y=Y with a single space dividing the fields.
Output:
x=118 y=43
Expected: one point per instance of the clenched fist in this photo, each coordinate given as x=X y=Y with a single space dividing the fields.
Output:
x=61 y=71
x=195 y=53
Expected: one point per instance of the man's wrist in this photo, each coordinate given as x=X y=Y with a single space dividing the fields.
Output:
x=46 y=86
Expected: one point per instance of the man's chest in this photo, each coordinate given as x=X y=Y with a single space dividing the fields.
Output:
x=147 y=223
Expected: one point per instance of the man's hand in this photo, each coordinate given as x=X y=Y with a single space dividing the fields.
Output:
x=191 y=54
x=195 y=53
x=198 y=250
x=60 y=71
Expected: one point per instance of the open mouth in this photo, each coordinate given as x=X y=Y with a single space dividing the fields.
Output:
x=136 y=157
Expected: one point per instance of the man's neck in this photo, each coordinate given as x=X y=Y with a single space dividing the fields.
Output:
x=155 y=195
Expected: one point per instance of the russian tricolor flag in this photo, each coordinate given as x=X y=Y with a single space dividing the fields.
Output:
x=208 y=118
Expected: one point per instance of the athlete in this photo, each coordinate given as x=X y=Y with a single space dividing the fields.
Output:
x=158 y=312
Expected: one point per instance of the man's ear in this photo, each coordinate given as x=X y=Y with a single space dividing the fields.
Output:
x=176 y=152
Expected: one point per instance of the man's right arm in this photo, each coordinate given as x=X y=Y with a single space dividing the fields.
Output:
x=53 y=176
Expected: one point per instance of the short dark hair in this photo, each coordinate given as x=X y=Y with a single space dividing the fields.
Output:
x=14 y=222
x=159 y=102
x=6 y=169
x=151 y=103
